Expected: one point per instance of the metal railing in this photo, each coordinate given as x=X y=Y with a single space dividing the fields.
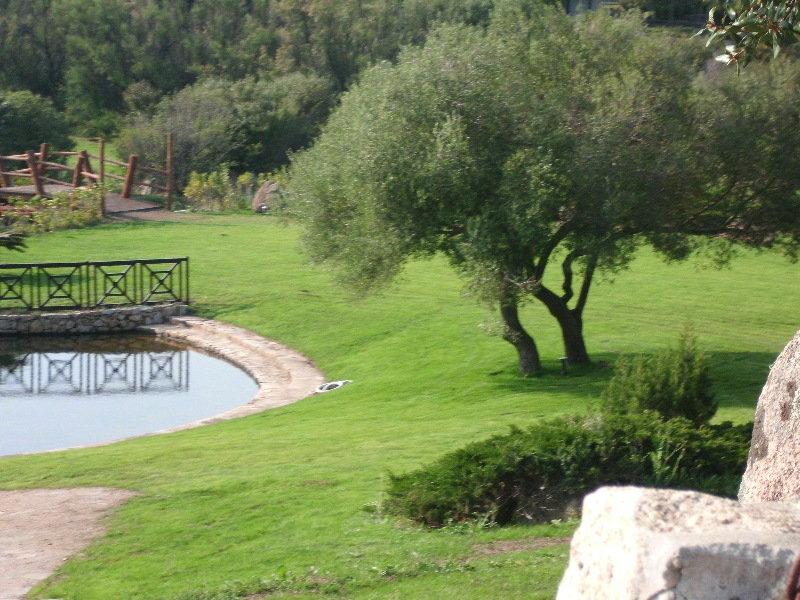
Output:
x=93 y=284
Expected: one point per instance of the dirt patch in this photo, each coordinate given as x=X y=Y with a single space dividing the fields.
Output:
x=40 y=529
x=508 y=546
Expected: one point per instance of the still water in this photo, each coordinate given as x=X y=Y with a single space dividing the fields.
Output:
x=64 y=392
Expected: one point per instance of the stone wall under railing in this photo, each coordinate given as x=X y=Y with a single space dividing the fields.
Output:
x=97 y=320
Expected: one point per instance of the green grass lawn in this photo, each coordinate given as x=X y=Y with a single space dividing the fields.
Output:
x=285 y=501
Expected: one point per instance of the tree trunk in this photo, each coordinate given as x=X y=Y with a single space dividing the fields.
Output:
x=571 y=323
x=515 y=334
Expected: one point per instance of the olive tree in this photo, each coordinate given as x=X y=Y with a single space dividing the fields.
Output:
x=545 y=140
x=745 y=26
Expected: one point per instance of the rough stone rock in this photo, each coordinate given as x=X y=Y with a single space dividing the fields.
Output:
x=773 y=466
x=88 y=320
x=646 y=544
x=264 y=197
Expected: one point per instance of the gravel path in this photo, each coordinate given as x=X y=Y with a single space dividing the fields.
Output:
x=40 y=529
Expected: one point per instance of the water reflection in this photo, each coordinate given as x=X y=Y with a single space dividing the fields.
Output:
x=64 y=392
x=85 y=373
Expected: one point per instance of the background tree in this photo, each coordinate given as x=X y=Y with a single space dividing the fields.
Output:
x=252 y=125
x=547 y=139
x=27 y=120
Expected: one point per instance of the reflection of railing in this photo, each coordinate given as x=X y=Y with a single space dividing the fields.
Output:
x=86 y=374
x=56 y=286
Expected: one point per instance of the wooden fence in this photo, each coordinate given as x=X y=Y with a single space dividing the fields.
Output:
x=37 y=168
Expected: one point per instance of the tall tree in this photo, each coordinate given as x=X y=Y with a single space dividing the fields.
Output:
x=546 y=140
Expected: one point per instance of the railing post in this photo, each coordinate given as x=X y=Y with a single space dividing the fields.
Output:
x=170 y=170
x=77 y=174
x=43 y=159
x=129 y=175
x=87 y=165
x=102 y=152
x=6 y=179
x=35 y=175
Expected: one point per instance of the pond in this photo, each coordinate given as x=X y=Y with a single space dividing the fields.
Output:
x=65 y=392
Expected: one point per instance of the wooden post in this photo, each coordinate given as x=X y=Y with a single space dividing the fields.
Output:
x=87 y=165
x=102 y=152
x=6 y=179
x=43 y=158
x=77 y=174
x=170 y=169
x=35 y=175
x=129 y=174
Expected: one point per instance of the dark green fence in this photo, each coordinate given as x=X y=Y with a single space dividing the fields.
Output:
x=93 y=284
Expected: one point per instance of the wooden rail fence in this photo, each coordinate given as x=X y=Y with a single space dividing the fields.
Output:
x=37 y=168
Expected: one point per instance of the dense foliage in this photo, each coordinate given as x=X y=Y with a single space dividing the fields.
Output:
x=673 y=383
x=27 y=120
x=91 y=56
x=550 y=138
x=541 y=473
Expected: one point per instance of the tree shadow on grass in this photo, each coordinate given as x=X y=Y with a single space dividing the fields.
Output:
x=737 y=376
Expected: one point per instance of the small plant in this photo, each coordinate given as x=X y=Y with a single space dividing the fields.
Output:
x=673 y=383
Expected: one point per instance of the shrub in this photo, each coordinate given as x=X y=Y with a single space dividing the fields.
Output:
x=219 y=191
x=674 y=383
x=542 y=472
x=69 y=210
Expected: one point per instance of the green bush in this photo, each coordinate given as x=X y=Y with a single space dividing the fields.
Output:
x=219 y=191
x=68 y=210
x=543 y=472
x=673 y=383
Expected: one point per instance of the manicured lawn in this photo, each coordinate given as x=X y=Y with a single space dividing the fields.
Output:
x=288 y=496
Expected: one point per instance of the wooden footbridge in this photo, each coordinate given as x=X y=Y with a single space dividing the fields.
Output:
x=44 y=174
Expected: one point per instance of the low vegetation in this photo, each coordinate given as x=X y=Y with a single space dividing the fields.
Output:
x=542 y=473
x=65 y=210
x=220 y=190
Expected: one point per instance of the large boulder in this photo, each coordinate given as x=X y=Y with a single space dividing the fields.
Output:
x=646 y=544
x=264 y=197
x=773 y=466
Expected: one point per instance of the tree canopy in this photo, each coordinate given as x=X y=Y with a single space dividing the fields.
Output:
x=549 y=139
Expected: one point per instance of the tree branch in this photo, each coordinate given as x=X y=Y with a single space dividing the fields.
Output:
x=591 y=265
x=566 y=268
x=544 y=258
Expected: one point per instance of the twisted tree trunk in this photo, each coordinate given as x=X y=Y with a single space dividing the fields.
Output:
x=515 y=334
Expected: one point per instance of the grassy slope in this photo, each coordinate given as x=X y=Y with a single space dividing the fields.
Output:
x=282 y=493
